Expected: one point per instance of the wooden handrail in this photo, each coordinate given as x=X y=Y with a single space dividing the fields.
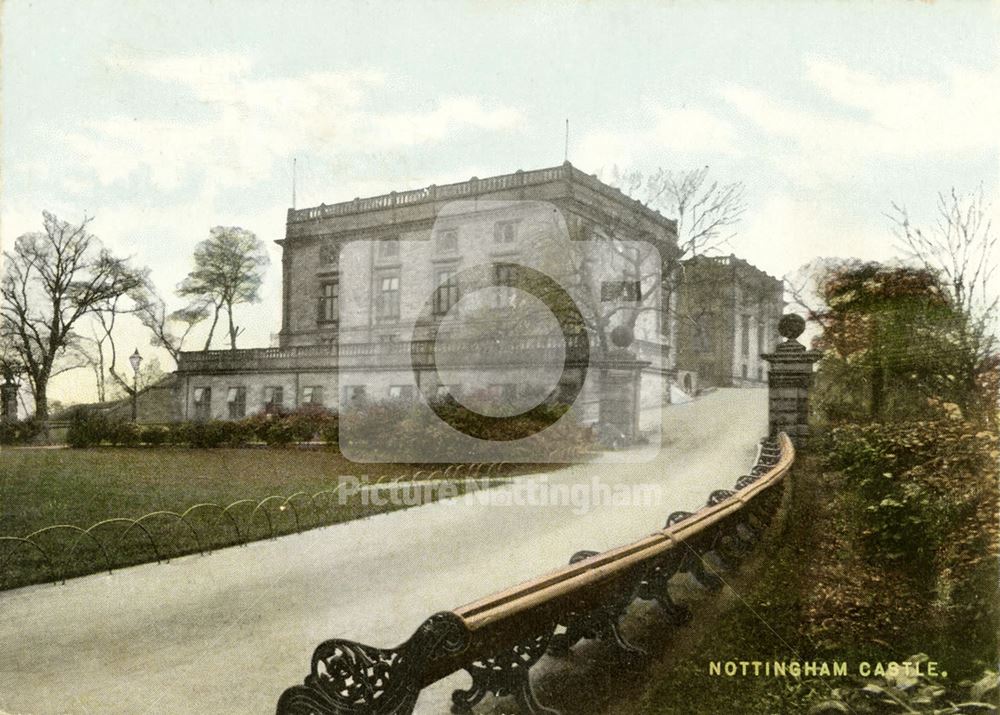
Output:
x=625 y=556
x=499 y=637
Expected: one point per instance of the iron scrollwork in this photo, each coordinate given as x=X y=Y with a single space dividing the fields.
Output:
x=506 y=673
x=350 y=678
x=655 y=587
x=601 y=622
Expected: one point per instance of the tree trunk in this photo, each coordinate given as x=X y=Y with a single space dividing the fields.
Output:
x=232 y=328
x=211 y=330
x=41 y=387
x=878 y=392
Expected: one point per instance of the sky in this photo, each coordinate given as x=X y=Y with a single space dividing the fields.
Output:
x=162 y=120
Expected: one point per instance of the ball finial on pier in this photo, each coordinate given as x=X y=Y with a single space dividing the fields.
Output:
x=791 y=326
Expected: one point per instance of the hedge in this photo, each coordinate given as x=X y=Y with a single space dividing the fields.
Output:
x=89 y=429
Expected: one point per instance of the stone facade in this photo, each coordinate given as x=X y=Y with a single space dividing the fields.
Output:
x=789 y=381
x=8 y=398
x=728 y=316
x=387 y=257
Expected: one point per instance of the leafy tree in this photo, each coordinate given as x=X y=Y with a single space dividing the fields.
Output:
x=894 y=332
x=228 y=270
x=53 y=279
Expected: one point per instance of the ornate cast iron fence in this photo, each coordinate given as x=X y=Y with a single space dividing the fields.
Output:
x=234 y=524
x=499 y=638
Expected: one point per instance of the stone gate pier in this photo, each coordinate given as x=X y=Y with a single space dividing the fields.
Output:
x=790 y=377
x=8 y=397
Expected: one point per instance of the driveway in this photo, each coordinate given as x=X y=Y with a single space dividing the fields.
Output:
x=227 y=632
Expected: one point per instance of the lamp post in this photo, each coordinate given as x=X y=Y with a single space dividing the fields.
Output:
x=135 y=360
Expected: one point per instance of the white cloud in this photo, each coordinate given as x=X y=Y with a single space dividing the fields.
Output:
x=256 y=121
x=876 y=118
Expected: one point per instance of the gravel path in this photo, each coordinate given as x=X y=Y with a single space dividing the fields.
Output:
x=227 y=632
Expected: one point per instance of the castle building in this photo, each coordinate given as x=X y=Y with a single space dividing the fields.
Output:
x=728 y=313
x=370 y=285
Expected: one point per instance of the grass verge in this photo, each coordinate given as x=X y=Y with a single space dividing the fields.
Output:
x=811 y=595
x=44 y=487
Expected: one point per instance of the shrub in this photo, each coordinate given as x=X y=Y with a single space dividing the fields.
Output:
x=238 y=433
x=21 y=431
x=179 y=433
x=123 y=434
x=92 y=429
x=87 y=429
x=567 y=439
x=306 y=422
x=926 y=486
x=206 y=434
x=329 y=431
x=278 y=433
x=259 y=424
x=153 y=435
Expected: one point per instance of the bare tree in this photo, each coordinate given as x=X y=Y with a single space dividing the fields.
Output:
x=93 y=349
x=707 y=211
x=100 y=349
x=587 y=260
x=804 y=287
x=53 y=279
x=169 y=329
x=149 y=374
x=228 y=271
x=959 y=247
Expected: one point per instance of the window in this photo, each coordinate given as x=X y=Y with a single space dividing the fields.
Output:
x=388 y=249
x=236 y=399
x=388 y=298
x=626 y=291
x=274 y=399
x=761 y=329
x=312 y=395
x=446 y=241
x=745 y=337
x=504 y=276
x=447 y=392
x=744 y=371
x=446 y=294
x=328 y=252
x=505 y=232
x=354 y=394
x=666 y=298
x=760 y=373
x=702 y=338
x=329 y=301
x=401 y=392
x=202 y=403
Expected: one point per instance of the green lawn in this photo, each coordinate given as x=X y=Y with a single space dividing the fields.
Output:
x=45 y=487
